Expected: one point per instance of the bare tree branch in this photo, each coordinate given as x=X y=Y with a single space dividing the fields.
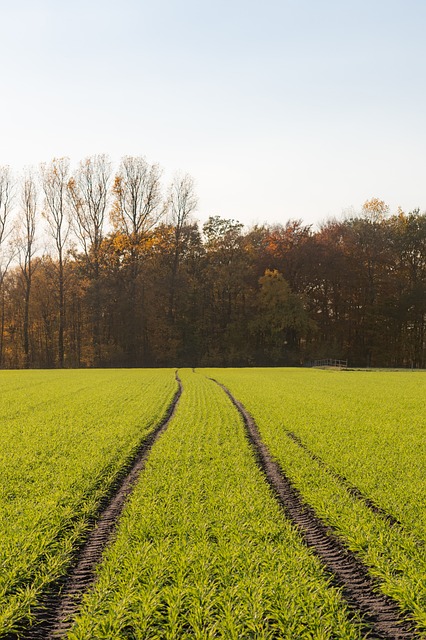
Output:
x=88 y=191
x=6 y=201
x=138 y=203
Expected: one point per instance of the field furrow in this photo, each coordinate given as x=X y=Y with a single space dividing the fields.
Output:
x=203 y=549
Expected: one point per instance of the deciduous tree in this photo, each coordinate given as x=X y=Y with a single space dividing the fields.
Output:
x=6 y=251
x=88 y=191
x=25 y=241
x=181 y=203
x=137 y=207
x=55 y=177
x=282 y=320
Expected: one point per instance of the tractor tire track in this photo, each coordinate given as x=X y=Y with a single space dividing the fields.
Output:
x=56 y=612
x=351 y=488
x=380 y=613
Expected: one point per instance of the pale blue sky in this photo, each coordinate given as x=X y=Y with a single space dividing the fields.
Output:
x=278 y=109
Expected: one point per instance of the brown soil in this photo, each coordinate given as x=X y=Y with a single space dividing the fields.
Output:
x=54 y=617
x=381 y=614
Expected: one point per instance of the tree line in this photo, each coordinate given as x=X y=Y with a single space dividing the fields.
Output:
x=104 y=268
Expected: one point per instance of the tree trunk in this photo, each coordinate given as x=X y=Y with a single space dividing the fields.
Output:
x=26 y=324
x=61 y=315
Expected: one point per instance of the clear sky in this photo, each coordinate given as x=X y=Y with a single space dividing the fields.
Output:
x=278 y=109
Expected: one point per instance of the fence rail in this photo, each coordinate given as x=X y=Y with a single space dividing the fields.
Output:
x=330 y=362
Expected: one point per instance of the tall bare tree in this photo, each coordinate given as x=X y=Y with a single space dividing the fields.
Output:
x=25 y=242
x=137 y=207
x=88 y=191
x=6 y=198
x=6 y=251
x=181 y=203
x=137 y=197
x=54 y=178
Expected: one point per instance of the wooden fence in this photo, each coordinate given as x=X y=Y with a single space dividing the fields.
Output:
x=330 y=362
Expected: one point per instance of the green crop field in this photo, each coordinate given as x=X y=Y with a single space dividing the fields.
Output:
x=370 y=428
x=202 y=548
x=64 y=437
